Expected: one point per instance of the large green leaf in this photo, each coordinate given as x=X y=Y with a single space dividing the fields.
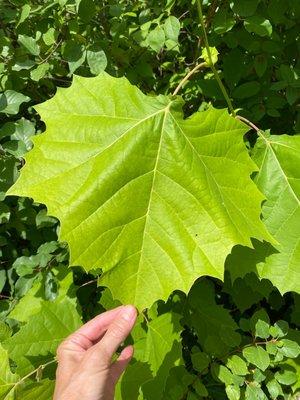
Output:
x=36 y=342
x=156 y=353
x=153 y=199
x=279 y=179
x=8 y=380
x=215 y=327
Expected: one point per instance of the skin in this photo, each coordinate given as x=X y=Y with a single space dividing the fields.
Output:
x=85 y=368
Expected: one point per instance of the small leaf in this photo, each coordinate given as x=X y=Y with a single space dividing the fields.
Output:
x=233 y=392
x=280 y=329
x=237 y=365
x=254 y=392
x=29 y=43
x=213 y=54
x=49 y=36
x=262 y=329
x=97 y=61
x=245 y=8
x=260 y=64
x=257 y=356
x=286 y=377
x=223 y=22
x=156 y=39
x=39 y=72
x=246 y=90
x=200 y=388
x=75 y=54
x=274 y=389
x=10 y=101
x=289 y=348
x=200 y=361
x=172 y=28
x=223 y=374
x=25 y=12
x=258 y=25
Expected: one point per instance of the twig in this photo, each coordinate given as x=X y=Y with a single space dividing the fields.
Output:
x=248 y=123
x=39 y=368
x=51 y=52
x=216 y=74
x=89 y=282
x=187 y=77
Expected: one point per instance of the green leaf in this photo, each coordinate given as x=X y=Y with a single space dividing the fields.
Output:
x=42 y=390
x=223 y=22
x=8 y=380
x=39 y=72
x=49 y=36
x=258 y=25
x=260 y=64
x=245 y=8
x=160 y=189
x=42 y=334
x=260 y=315
x=200 y=361
x=281 y=211
x=30 y=44
x=19 y=130
x=160 y=350
x=212 y=323
x=223 y=374
x=33 y=300
x=286 y=377
x=254 y=392
x=97 y=61
x=10 y=101
x=280 y=329
x=163 y=336
x=233 y=392
x=262 y=329
x=274 y=389
x=257 y=356
x=75 y=54
x=156 y=38
x=246 y=90
x=200 y=388
x=25 y=12
x=237 y=365
x=213 y=54
x=177 y=383
x=172 y=28
x=289 y=348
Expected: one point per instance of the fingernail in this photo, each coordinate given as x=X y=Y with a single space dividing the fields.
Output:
x=129 y=313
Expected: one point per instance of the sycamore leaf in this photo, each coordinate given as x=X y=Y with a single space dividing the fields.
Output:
x=155 y=354
x=278 y=158
x=8 y=380
x=42 y=390
x=152 y=199
x=216 y=329
x=40 y=337
x=33 y=300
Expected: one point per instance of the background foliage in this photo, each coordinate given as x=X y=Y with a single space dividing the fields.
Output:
x=244 y=352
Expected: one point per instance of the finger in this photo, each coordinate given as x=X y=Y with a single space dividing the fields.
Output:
x=114 y=336
x=120 y=365
x=88 y=334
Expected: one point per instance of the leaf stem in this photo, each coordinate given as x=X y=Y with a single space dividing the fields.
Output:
x=187 y=77
x=40 y=367
x=211 y=65
x=248 y=123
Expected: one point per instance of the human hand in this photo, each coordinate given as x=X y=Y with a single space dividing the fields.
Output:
x=85 y=369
